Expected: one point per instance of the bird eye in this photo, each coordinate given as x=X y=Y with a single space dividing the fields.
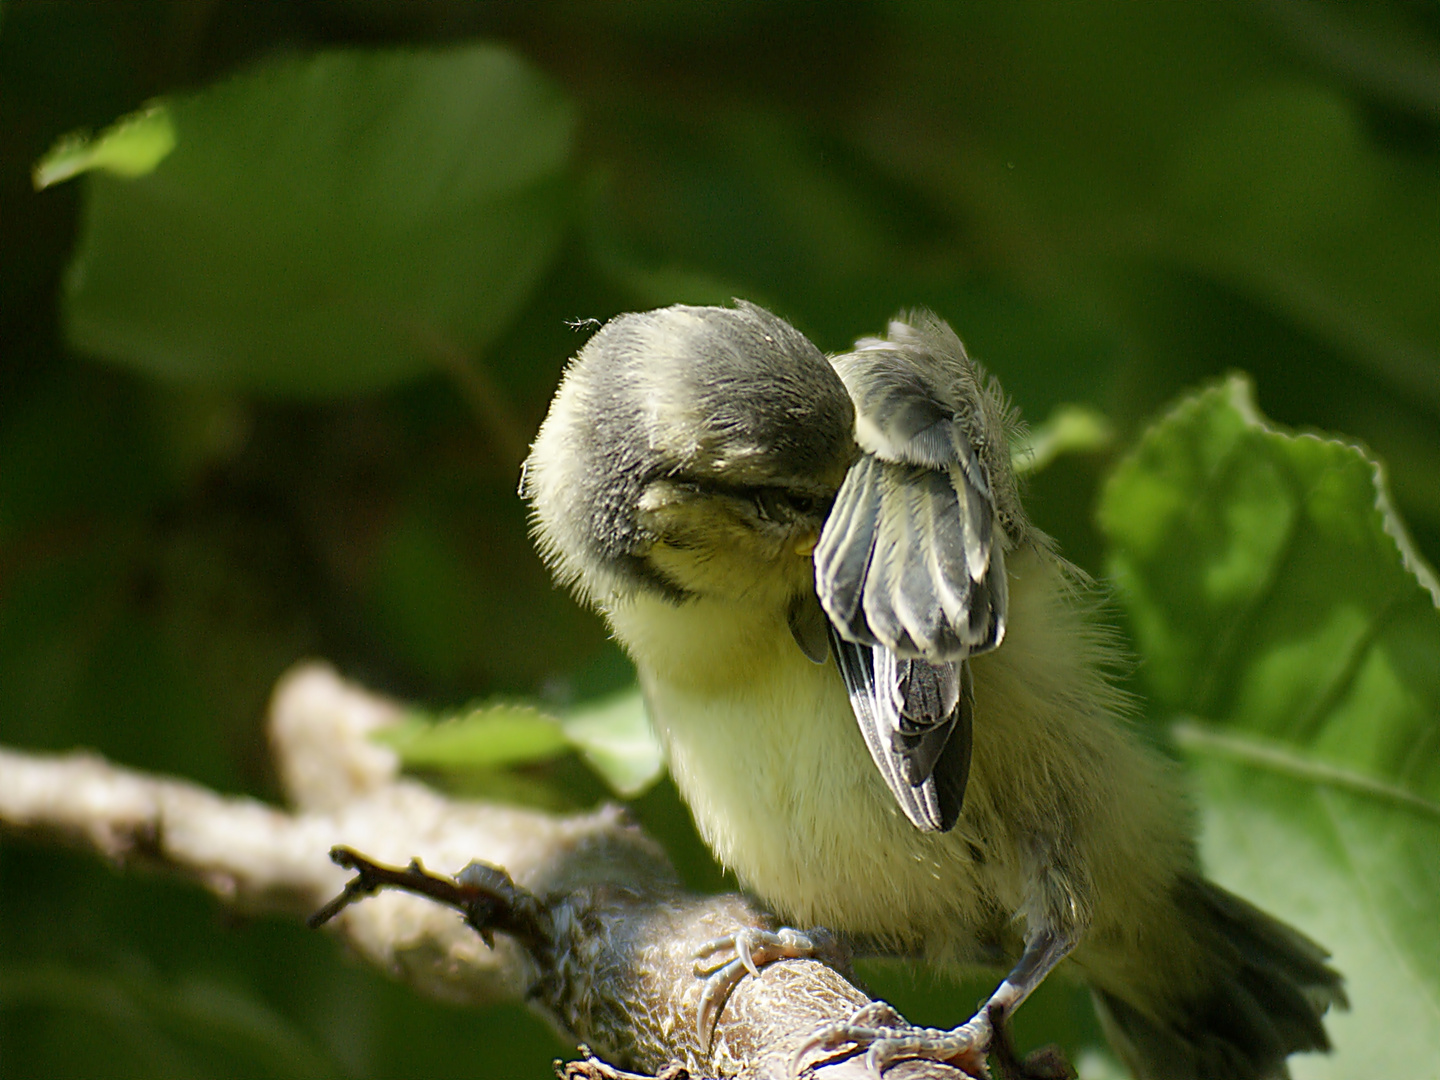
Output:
x=773 y=505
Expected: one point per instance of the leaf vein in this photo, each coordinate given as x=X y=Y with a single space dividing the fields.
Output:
x=1192 y=735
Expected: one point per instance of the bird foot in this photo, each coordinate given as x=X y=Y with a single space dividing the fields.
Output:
x=589 y=1067
x=886 y=1037
x=724 y=961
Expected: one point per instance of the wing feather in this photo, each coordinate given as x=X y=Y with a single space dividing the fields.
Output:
x=922 y=700
x=843 y=553
x=924 y=758
x=977 y=508
x=910 y=557
x=910 y=566
x=908 y=560
x=947 y=561
x=900 y=606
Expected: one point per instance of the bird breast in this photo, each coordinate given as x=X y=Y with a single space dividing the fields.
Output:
x=765 y=750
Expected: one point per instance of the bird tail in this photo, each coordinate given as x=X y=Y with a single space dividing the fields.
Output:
x=1265 y=990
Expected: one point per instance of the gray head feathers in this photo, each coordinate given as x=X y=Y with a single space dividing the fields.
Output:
x=726 y=407
x=710 y=397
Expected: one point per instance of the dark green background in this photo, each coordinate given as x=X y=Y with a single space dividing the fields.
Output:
x=1111 y=203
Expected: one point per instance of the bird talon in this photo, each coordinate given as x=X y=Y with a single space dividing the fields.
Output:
x=885 y=1037
x=744 y=952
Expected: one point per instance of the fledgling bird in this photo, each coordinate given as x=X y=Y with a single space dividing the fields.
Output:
x=884 y=696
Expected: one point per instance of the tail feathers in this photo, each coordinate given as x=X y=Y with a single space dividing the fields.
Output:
x=1268 y=988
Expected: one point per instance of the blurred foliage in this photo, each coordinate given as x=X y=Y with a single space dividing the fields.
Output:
x=327 y=224
x=130 y=147
x=612 y=733
x=275 y=405
x=1069 y=429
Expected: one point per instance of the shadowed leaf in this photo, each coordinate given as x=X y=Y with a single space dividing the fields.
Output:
x=328 y=224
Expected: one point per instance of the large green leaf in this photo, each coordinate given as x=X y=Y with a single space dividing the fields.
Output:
x=328 y=224
x=1291 y=639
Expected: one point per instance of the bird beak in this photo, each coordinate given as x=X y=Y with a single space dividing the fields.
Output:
x=805 y=545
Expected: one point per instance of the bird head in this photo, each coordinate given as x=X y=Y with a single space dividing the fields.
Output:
x=690 y=451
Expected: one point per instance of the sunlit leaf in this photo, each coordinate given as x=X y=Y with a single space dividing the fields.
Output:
x=328 y=224
x=130 y=147
x=1290 y=634
x=1070 y=429
x=481 y=738
x=612 y=734
x=615 y=737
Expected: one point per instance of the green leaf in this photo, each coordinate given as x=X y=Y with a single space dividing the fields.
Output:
x=131 y=147
x=1282 y=195
x=328 y=224
x=166 y=1022
x=615 y=738
x=1070 y=429
x=486 y=737
x=1288 y=624
x=612 y=734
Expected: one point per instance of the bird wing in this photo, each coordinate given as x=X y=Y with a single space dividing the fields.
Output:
x=910 y=566
x=910 y=557
x=916 y=726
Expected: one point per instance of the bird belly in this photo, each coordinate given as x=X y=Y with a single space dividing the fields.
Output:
x=764 y=748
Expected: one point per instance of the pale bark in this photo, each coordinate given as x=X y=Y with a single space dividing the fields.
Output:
x=619 y=972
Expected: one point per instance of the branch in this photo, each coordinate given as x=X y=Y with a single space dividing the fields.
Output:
x=615 y=967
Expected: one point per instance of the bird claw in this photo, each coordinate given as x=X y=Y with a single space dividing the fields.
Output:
x=589 y=1067
x=724 y=961
x=885 y=1037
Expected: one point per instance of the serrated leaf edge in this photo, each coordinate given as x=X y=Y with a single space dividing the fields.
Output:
x=1239 y=389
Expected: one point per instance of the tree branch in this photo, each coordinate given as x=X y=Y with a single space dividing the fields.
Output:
x=615 y=968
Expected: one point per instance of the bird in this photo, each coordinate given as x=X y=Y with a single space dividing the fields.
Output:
x=889 y=704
